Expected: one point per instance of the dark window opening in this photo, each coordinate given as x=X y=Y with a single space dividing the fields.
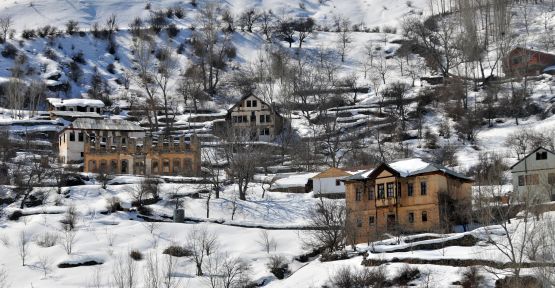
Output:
x=423 y=188
x=371 y=220
x=541 y=155
x=424 y=216
x=390 y=190
x=411 y=217
x=410 y=189
x=381 y=191
x=337 y=182
x=71 y=136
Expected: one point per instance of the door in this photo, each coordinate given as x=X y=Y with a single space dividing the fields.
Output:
x=390 y=221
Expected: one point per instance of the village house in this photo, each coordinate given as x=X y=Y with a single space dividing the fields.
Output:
x=150 y=155
x=292 y=182
x=253 y=119
x=75 y=105
x=410 y=195
x=328 y=183
x=71 y=140
x=527 y=62
x=534 y=176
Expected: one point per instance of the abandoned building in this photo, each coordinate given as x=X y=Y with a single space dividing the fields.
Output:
x=150 y=155
x=527 y=62
x=409 y=195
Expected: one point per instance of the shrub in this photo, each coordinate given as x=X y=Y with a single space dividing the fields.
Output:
x=47 y=239
x=177 y=251
x=9 y=51
x=70 y=218
x=79 y=57
x=144 y=210
x=179 y=12
x=136 y=255
x=15 y=215
x=278 y=266
x=28 y=34
x=345 y=277
x=406 y=275
x=326 y=257
x=471 y=278
x=111 y=68
x=172 y=30
x=50 y=54
x=113 y=204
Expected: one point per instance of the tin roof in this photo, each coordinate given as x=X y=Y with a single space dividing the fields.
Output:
x=105 y=124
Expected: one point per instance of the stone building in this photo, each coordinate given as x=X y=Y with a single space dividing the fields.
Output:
x=409 y=195
x=253 y=119
x=71 y=140
x=149 y=155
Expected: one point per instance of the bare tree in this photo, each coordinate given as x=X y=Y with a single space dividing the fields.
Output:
x=242 y=159
x=225 y=271
x=344 y=37
x=23 y=246
x=151 y=274
x=124 y=273
x=45 y=265
x=169 y=280
x=202 y=244
x=96 y=278
x=327 y=219
x=68 y=240
x=266 y=241
x=5 y=26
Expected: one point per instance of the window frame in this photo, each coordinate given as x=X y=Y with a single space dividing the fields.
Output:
x=423 y=188
x=424 y=216
x=410 y=189
x=381 y=191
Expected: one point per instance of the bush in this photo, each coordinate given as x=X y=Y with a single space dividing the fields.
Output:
x=172 y=30
x=177 y=251
x=111 y=68
x=472 y=278
x=326 y=257
x=113 y=204
x=520 y=282
x=144 y=210
x=15 y=215
x=9 y=51
x=406 y=275
x=345 y=277
x=79 y=57
x=136 y=255
x=179 y=12
x=278 y=266
x=28 y=34
x=47 y=239
x=50 y=54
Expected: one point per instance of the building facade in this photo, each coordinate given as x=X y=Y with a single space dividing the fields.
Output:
x=534 y=176
x=328 y=183
x=527 y=62
x=410 y=195
x=71 y=140
x=253 y=119
x=162 y=155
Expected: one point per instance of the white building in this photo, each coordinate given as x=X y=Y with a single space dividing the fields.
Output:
x=71 y=140
x=328 y=183
x=534 y=176
x=75 y=105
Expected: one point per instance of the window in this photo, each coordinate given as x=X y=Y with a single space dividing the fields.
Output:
x=165 y=166
x=410 y=189
x=248 y=103
x=72 y=136
x=154 y=168
x=521 y=180
x=551 y=178
x=254 y=103
x=390 y=190
x=80 y=136
x=423 y=188
x=113 y=166
x=188 y=165
x=371 y=193
x=541 y=155
x=532 y=179
x=359 y=222
x=337 y=182
x=411 y=217
x=358 y=194
x=123 y=140
x=124 y=167
x=82 y=154
x=265 y=119
x=371 y=220
x=265 y=132
x=424 y=216
x=381 y=191
x=176 y=166
x=92 y=166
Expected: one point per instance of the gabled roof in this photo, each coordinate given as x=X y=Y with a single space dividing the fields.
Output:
x=531 y=153
x=258 y=98
x=105 y=124
x=331 y=173
x=408 y=168
x=59 y=102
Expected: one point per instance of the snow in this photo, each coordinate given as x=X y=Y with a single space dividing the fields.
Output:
x=409 y=166
x=284 y=181
x=59 y=102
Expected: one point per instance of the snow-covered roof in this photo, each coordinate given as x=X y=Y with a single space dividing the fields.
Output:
x=292 y=180
x=105 y=124
x=410 y=167
x=549 y=69
x=59 y=102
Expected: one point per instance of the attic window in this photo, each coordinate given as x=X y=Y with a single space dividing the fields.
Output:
x=337 y=182
x=541 y=155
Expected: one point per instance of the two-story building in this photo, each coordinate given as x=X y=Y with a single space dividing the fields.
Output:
x=150 y=155
x=71 y=140
x=253 y=119
x=410 y=195
x=534 y=176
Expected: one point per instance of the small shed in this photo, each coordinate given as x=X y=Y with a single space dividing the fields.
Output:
x=293 y=182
